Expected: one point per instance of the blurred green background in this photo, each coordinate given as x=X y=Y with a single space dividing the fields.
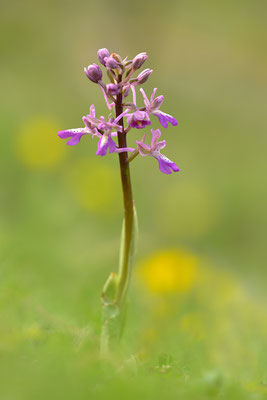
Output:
x=197 y=323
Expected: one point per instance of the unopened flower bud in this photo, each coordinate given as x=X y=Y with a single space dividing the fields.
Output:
x=102 y=54
x=93 y=72
x=110 y=62
x=117 y=57
x=112 y=89
x=139 y=60
x=143 y=76
x=126 y=91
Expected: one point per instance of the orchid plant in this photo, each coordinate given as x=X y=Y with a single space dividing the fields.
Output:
x=122 y=82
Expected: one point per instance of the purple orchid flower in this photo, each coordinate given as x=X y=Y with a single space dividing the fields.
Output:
x=105 y=140
x=138 y=119
x=165 y=165
x=105 y=143
x=152 y=108
x=76 y=134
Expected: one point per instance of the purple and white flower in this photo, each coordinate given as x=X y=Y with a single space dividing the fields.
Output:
x=76 y=134
x=165 y=165
x=105 y=143
x=152 y=108
x=138 y=119
x=105 y=133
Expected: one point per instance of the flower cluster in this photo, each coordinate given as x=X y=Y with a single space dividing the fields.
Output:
x=120 y=74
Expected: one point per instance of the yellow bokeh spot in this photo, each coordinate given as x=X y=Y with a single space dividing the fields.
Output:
x=37 y=145
x=169 y=271
x=33 y=332
x=95 y=186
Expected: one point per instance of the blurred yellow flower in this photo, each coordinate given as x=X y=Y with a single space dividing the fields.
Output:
x=37 y=145
x=169 y=271
x=95 y=186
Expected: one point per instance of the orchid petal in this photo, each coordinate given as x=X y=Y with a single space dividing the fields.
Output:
x=146 y=101
x=129 y=118
x=165 y=165
x=140 y=124
x=86 y=122
x=155 y=137
x=165 y=118
x=161 y=144
x=162 y=120
x=134 y=94
x=64 y=134
x=92 y=110
x=102 y=146
x=106 y=99
x=75 y=140
x=139 y=119
x=174 y=167
x=111 y=145
x=70 y=132
x=171 y=119
x=153 y=95
x=140 y=115
x=144 y=149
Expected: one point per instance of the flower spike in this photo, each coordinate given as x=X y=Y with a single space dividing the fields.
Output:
x=76 y=134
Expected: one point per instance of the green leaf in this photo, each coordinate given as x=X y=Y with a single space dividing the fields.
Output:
x=110 y=289
x=115 y=291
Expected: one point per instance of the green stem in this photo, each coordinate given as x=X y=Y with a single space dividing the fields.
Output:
x=115 y=289
x=128 y=206
x=133 y=155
